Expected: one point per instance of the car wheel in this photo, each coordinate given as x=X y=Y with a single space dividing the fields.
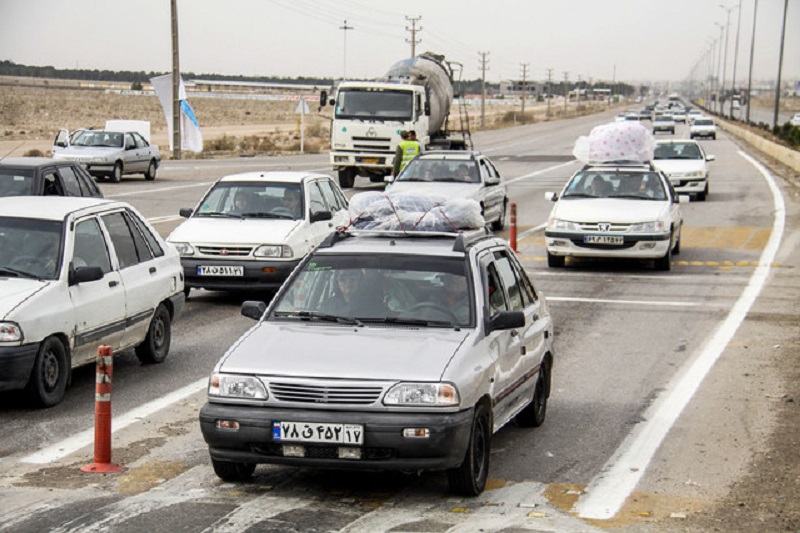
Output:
x=714 y=137
x=50 y=372
x=535 y=412
x=186 y=291
x=701 y=196
x=469 y=479
x=150 y=175
x=229 y=471
x=500 y=223
x=555 y=261
x=347 y=178
x=677 y=249
x=116 y=175
x=665 y=263
x=155 y=346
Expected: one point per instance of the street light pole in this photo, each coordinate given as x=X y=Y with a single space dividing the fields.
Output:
x=344 y=55
x=176 y=84
x=725 y=58
x=718 y=106
x=780 y=66
x=735 y=60
x=750 y=68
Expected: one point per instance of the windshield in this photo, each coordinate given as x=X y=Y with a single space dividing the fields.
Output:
x=677 y=151
x=30 y=248
x=422 y=169
x=374 y=105
x=253 y=200
x=16 y=182
x=703 y=122
x=611 y=183
x=103 y=139
x=379 y=289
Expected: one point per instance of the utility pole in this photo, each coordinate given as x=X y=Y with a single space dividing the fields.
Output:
x=549 y=91
x=750 y=68
x=344 y=54
x=780 y=67
x=735 y=60
x=566 y=92
x=413 y=29
x=725 y=60
x=578 y=91
x=718 y=106
x=484 y=68
x=176 y=85
x=524 y=83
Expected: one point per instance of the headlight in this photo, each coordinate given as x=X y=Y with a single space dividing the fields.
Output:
x=274 y=250
x=233 y=386
x=184 y=248
x=555 y=223
x=416 y=394
x=100 y=159
x=649 y=227
x=10 y=332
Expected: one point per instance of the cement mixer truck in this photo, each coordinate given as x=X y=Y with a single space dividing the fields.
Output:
x=368 y=116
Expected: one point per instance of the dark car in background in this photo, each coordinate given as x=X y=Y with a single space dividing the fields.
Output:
x=41 y=176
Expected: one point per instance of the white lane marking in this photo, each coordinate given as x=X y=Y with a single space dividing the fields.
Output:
x=61 y=449
x=531 y=231
x=622 y=302
x=542 y=171
x=151 y=191
x=608 y=491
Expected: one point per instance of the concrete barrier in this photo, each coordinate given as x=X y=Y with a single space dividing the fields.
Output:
x=782 y=154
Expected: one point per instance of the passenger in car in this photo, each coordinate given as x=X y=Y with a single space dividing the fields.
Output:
x=291 y=202
x=348 y=294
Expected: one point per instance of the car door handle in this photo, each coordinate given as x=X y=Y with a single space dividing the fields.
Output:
x=113 y=283
x=152 y=270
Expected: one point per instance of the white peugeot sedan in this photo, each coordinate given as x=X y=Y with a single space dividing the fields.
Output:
x=109 y=153
x=615 y=211
x=77 y=273
x=457 y=174
x=686 y=165
x=250 y=230
x=703 y=127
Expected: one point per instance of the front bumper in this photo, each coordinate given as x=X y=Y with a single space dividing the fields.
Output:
x=16 y=363
x=570 y=244
x=384 y=446
x=258 y=275
x=688 y=185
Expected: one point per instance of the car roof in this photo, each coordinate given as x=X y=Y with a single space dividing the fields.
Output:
x=458 y=155
x=677 y=141
x=454 y=244
x=33 y=162
x=274 y=177
x=50 y=207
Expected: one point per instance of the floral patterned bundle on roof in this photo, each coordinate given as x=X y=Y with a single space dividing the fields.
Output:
x=615 y=142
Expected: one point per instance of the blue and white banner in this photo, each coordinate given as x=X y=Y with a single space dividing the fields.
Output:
x=191 y=137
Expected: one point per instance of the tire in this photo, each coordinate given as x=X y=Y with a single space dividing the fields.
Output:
x=50 y=373
x=152 y=168
x=665 y=263
x=535 y=412
x=677 y=249
x=701 y=196
x=228 y=471
x=469 y=479
x=500 y=223
x=347 y=178
x=714 y=137
x=155 y=346
x=555 y=261
x=116 y=175
x=186 y=291
x=691 y=136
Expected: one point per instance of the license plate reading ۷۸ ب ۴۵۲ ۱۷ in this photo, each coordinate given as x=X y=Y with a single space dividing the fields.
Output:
x=318 y=432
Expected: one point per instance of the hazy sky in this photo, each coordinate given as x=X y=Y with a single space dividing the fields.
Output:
x=639 y=40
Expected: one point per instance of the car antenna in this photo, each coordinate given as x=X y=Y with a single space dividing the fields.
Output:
x=11 y=151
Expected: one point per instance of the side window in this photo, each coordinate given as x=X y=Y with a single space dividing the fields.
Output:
x=484 y=171
x=130 y=246
x=140 y=142
x=510 y=282
x=70 y=181
x=52 y=185
x=152 y=242
x=497 y=299
x=529 y=295
x=317 y=203
x=492 y=170
x=129 y=142
x=90 y=246
x=330 y=195
x=88 y=186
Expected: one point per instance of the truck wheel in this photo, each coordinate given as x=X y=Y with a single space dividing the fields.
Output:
x=469 y=479
x=347 y=178
x=150 y=175
x=50 y=372
x=116 y=175
x=228 y=471
x=155 y=346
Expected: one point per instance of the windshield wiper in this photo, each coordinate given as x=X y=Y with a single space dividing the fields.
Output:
x=634 y=196
x=218 y=214
x=17 y=273
x=578 y=195
x=308 y=315
x=266 y=215
x=409 y=322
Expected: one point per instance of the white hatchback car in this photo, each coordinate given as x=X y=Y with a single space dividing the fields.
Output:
x=686 y=165
x=615 y=211
x=77 y=273
x=703 y=127
x=250 y=230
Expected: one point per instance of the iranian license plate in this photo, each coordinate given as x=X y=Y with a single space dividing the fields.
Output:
x=213 y=270
x=603 y=239
x=318 y=432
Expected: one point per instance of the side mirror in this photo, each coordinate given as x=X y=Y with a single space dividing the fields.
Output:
x=683 y=199
x=551 y=196
x=711 y=157
x=427 y=108
x=185 y=212
x=318 y=216
x=61 y=144
x=506 y=320
x=323 y=98
x=84 y=273
x=253 y=309
x=332 y=102
x=492 y=180
x=388 y=179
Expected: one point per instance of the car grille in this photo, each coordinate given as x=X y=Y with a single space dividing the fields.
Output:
x=321 y=394
x=226 y=251
x=325 y=451
x=613 y=227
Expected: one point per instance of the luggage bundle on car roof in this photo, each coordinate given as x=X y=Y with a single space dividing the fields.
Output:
x=407 y=212
x=616 y=142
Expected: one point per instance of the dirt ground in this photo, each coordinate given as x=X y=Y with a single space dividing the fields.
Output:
x=766 y=498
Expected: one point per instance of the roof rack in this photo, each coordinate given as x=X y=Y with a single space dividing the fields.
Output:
x=470 y=238
x=648 y=164
x=463 y=239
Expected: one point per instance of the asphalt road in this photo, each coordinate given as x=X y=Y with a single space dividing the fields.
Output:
x=627 y=337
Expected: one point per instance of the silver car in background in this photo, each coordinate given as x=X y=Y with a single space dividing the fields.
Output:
x=109 y=153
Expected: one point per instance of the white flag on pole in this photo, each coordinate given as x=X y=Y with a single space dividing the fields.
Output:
x=191 y=137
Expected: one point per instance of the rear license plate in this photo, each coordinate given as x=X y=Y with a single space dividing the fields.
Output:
x=211 y=270
x=318 y=432
x=603 y=239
